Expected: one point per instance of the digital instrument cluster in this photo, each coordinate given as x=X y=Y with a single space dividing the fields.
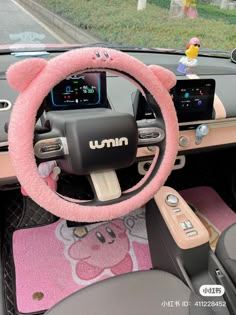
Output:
x=79 y=91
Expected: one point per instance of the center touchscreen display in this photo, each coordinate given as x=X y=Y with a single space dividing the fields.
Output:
x=194 y=99
x=79 y=91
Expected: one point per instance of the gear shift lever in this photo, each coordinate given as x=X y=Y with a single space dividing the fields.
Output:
x=201 y=132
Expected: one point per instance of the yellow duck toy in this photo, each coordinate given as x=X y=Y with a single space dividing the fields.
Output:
x=192 y=48
x=192 y=52
x=189 y=61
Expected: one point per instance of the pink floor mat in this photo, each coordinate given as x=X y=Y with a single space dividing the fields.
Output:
x=53 y=261
x=210 y=205
x=213 y=212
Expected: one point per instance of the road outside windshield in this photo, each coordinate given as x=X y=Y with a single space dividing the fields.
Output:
x=142 y=23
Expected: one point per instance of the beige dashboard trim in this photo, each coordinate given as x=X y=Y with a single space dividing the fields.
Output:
x=217 y=136
x=144 y=151
x=220 y=133
x=219 y=108
x=174 y=219
x=218 y=123
x=6 y=168
x=7 y=171
x=192 y=76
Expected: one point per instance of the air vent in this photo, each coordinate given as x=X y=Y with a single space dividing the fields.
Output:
x=5 y=105
x=233 y=55
x=3 y=148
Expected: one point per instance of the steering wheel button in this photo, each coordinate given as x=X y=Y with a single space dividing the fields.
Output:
x=50 y=148
x=149 y=135
x=172 y=200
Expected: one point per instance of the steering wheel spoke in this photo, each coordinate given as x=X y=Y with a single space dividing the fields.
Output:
x=150 y=132
x=106 y=185
x=51 y=148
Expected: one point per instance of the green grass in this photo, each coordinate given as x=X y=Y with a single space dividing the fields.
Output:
x=212 y=12
x=118 y=21
x=206 y=11
x=161 y=3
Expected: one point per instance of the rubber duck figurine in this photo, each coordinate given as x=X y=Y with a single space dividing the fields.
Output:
x=188 y=62
x=192 y=49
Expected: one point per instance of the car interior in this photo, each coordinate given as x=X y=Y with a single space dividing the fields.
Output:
x=117 y=182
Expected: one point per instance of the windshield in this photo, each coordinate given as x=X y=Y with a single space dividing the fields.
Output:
x=168 y=24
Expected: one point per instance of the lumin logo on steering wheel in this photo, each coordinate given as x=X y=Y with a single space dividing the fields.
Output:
x=117 y=142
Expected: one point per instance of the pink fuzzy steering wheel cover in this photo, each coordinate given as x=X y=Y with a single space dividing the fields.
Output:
x=22 y=124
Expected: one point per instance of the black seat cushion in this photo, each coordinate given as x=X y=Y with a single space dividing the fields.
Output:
x=136 y=293
x=226 y=251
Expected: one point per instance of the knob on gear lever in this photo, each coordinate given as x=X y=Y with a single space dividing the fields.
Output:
x=201 y=132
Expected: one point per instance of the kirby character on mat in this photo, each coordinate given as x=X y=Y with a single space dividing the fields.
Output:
x=189 y=62
x=97 y=251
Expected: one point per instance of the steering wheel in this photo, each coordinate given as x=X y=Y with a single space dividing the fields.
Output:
x=91 y=142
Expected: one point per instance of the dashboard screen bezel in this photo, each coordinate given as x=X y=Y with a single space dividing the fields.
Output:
x=103 y=103
x=189 y=114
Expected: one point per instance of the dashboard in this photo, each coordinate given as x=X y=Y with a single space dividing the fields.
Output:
x=193 y=99
x=205 y=98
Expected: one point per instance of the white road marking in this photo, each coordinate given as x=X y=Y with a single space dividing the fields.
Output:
x=40 y=23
